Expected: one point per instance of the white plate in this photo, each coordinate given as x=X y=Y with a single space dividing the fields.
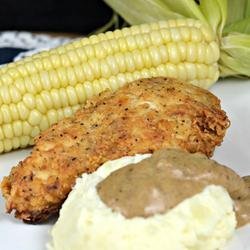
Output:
x=234 y=152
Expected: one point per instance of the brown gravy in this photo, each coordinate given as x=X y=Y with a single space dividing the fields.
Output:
x=169 y=176
x=242 y=207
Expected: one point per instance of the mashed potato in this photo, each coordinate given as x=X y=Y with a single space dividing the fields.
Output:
x=203 y=222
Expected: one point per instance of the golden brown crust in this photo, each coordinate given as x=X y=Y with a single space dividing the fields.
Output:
x=141 y=117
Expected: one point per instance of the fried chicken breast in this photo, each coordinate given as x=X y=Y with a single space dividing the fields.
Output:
x=141 y=117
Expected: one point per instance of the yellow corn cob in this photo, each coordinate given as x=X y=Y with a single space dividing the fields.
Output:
x=42 y=89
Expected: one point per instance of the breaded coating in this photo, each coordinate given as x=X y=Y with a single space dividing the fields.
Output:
x=141 y=117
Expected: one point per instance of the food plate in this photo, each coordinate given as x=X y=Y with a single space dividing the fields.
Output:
x=234 y=152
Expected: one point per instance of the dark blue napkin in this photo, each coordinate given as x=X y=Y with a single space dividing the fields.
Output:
x=8 y=54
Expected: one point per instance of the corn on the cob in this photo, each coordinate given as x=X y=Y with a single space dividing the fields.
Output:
x=41 y=90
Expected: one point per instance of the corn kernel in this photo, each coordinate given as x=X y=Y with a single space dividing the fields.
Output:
x=60 y=114
x=201 y=71
x=24 y=141
x=44 y=124
x=53 y=78
x=34 y=117
x=112 y=65
x=29 y=101
x=36 y=81
x=105 y=70
x=22 y=70
x=56 y=61
x=14 y=93
x=99 y=51
x=17 y=128
x=30 y=68
x=64 y=59
x=5 y=95
x=38 y=64
x=30 y=87
x=173 y=53
x=14 y=112
x=97 y=87
x=40 y=106
x=35 y=131
x=121 y=62
x=14 y=74
x=94 y=64
x=19 y=84
x=55 y=96
x=7 y=130
x=64 y=97
x=67 y=111
x=88 y=89
x=7 y=145
x=130 y=65
x=26 y=128
x=155 y=56
x=45 y=80
x=156 y=38
x=75 y=108
x=89 y=51
x=72 y=97
x=62 y=75
x=72 y=80
x=87 y=72
x=1 y=134
x=181 y=71
x=171 y=70
x=73 y=57
x=105 y=84
x=191 y=71
x=47 y=100
x=191 y=52
x=6 y=114
x=15 y=143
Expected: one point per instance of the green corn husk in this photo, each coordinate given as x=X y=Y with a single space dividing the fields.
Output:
x=235 y=55
x=236 y=10
x=143 y=11
x=242 y=26
x=229 y=19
